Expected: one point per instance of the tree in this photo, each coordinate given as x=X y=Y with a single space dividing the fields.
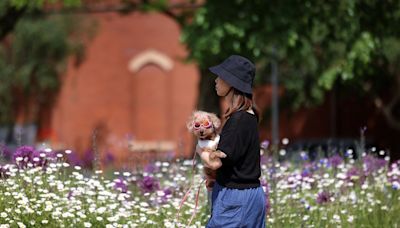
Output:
x=13 y=10
x=34 y=48
x=354 y=44
x=6 y=110
x=39 y=49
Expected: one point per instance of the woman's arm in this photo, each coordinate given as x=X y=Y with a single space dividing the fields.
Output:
x=212 y=158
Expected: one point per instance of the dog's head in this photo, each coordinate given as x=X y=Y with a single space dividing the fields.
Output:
x=204 y=125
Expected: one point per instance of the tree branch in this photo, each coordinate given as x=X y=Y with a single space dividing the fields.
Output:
x=178 y=11
x=9 y=19
x=388 y=109
x=388 y=112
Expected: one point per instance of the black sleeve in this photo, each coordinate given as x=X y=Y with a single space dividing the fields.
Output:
x=230 y=141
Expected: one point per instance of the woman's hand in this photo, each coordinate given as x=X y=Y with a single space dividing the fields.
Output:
x=211 y=158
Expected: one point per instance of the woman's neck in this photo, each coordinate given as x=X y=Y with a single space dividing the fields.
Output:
x=233 y=101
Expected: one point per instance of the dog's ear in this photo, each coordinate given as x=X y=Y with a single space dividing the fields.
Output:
x=215 y=120
x=189 y=123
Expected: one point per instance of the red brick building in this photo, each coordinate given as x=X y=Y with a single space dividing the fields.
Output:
x=132 y=92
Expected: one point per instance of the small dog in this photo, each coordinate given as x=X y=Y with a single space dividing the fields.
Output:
x=205 y=126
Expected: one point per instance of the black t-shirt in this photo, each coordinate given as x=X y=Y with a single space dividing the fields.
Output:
x=240 y=142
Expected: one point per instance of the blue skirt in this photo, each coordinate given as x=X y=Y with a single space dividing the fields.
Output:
x=237 y=208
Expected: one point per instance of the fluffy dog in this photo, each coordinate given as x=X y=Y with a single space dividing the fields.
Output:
x=205 y=126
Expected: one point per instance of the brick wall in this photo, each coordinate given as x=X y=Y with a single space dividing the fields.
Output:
x=102 y=95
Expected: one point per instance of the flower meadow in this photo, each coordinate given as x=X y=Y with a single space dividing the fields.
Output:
x=42 y=188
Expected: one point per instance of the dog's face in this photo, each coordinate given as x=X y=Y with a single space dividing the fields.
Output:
x=203 y=125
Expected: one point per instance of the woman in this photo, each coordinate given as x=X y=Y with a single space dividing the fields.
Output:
x=238 y=200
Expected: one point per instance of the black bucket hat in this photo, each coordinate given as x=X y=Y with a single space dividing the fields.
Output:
x=238 y=72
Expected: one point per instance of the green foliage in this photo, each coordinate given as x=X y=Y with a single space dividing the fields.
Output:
x=32 y=61
x=11 y=11
x=317 y=43
x=38 y=4
x=31 y=66
x=5 y=91
x=158 y=5
x=38 y=46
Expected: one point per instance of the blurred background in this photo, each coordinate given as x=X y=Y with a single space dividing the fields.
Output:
x=116 y=80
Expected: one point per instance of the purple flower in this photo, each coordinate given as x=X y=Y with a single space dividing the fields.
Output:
x=265 y=160
x=167 y=194
x=88 y=158
x=381 y=163
x=304 y=156
x=354 y=174
x=108 y=158
x=392 y=174
x=50 y=155
x=372 y=164
x=167 y=191
x=323 y=197
x=323 y=161
x=149 y=184
x=120 y=185
x=70 y=194
x=170 y=155
x=306 y=173
x=271 y=173
x=150 y=168
x=5 y=152
x=25 y=155
x=335 y=161
x=264 y=144
x=73 y=159
x=311 y=166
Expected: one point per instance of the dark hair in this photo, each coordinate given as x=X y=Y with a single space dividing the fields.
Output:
x=245 y=101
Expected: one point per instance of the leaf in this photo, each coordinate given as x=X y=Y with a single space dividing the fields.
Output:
x=328 y=77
